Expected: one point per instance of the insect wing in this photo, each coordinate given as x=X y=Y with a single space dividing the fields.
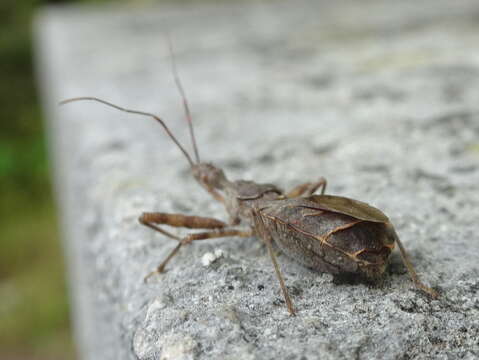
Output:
x=342 y=205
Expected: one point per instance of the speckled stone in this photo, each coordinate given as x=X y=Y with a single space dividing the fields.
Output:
x=380 y=97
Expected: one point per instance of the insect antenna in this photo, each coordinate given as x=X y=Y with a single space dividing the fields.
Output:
x=162 y=123
x=183 y=97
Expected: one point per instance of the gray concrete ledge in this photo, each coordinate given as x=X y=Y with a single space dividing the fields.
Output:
x=380 y=97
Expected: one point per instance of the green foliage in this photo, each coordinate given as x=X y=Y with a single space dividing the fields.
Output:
x=22 y=158
x=34 y=306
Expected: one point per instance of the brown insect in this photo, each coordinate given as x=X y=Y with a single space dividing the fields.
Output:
x=324 y=232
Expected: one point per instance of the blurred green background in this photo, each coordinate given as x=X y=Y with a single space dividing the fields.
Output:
x=34 y=318
x=34 y=309
x=34 y=321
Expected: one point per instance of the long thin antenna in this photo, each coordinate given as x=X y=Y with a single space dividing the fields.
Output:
x=183 y=97
x=90 y=98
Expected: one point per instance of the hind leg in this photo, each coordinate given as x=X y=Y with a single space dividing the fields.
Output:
x=308 y=188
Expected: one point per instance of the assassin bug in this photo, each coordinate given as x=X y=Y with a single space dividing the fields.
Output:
x=324 y=232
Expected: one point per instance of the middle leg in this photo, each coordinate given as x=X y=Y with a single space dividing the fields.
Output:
x=263 y=233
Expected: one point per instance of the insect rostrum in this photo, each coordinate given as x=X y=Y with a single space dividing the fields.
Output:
x=324 y=232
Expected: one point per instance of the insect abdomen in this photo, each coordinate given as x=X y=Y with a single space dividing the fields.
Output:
x=327 y=241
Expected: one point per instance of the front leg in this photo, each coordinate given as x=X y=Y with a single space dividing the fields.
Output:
x=180 y=220
x=218 y=229
x=216 y=195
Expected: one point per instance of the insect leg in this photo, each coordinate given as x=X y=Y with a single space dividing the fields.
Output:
x=151 y=219
x=321 y=183
x=410 y=268
x=298 y=190
x=265 y=235
x=216 y=195
x=308 y=188
x=219 y=233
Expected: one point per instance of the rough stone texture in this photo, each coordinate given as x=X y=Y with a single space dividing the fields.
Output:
x=380 y=97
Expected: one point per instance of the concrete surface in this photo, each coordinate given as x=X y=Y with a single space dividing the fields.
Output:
x=380 y=97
